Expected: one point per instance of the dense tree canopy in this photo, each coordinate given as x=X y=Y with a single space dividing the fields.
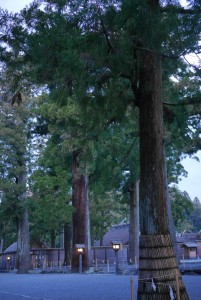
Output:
x=14 y=159
x=50 y=198
x=182 y=208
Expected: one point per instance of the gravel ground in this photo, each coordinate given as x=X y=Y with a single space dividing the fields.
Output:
x=78 y=287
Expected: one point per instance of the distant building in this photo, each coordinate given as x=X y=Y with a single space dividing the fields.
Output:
x=188 y=246
x=41 y=257
x=117 y=232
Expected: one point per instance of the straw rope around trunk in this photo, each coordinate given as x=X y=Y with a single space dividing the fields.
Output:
x=158 y=269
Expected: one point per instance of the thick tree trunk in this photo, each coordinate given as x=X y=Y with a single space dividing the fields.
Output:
x=23 y=239
x=170 y=217
x=81 y=225
x=53 y=238
x=1 y=246
x=101 y=228
x=157 y=259
x=23 y=245
x=134 y=224
x=67 y=244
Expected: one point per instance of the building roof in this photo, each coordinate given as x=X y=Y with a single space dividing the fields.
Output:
x=117 y=232
x=11 y=248
x=189 y=245
x=188 y=237
x=121 y=232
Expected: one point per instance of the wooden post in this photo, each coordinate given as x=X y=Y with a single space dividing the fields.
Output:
x=94 y=251
x=44 y=263
x=136 y=263
x=177 y=285
x=132 y=288
x=80 y=263
x=108 y=266
x=183 y=261
x=58 y=252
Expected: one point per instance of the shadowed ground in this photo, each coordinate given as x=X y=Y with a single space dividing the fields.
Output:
x=78 y=286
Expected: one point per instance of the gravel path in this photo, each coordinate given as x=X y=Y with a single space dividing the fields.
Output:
x=77 y=287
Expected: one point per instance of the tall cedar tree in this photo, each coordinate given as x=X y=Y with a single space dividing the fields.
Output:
x=13 y=149
x=68 y=124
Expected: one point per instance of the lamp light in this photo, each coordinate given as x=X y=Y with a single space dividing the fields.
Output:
x=80 y=250
x=116 y=246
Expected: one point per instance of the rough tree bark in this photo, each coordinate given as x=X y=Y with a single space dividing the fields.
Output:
x=53 y=238
x=101 y=230
x=134 y=224
x=23 y=239
x=1 y=246
x=81 y=225
x=157 y=259
x=67 y=244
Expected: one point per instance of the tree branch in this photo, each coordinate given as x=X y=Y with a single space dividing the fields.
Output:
x=105 y=31
x=189 y=101
x=160 y=53
x=181 y=10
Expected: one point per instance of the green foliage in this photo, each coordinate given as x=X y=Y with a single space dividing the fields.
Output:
x=49 y=202
x=13 y=167
x=182 y=208
x=195 y=217
x=186 y=213
x=106 y=210
x=13 y=157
